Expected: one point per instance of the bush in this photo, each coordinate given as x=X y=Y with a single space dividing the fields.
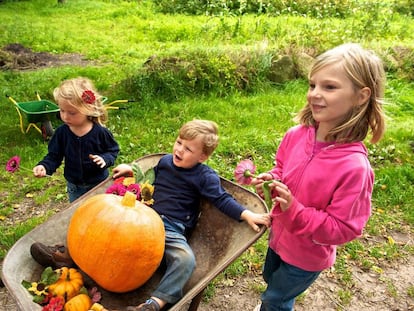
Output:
x=311 y=8
x=199 y=72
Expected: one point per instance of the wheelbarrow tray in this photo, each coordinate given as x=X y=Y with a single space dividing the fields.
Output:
x=38 y=111
x=217 y=241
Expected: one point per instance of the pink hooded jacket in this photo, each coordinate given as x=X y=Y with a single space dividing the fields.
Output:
x=332 y=199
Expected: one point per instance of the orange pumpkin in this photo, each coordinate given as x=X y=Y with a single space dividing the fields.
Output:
x=81 y=302
x=69 y=283
x=118 y=241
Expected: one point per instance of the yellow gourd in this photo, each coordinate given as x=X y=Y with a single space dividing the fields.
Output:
x=97 y=307
x=81 y=302
x=68 y=285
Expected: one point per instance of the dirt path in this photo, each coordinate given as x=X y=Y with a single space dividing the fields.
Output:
x=372 y=292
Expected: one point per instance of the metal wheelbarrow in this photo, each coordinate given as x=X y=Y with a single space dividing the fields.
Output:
x=217 y=241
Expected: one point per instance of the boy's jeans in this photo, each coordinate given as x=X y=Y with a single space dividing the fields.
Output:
x=284 y=283
x=180 y=263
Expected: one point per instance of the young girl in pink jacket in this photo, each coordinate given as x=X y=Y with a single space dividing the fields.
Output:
x=322 y=181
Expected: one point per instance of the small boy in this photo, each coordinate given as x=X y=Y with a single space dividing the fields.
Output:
x=181 y=180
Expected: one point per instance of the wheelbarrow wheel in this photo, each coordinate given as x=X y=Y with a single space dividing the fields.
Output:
x=47 y=130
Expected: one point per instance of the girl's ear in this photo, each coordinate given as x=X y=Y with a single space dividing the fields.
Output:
x=364 y=95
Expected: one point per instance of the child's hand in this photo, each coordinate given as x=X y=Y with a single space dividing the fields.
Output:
x=255 y=219
x=122 y=170
x=258 y=182
x=284 y=196
x=39 y=171
x=98 y=160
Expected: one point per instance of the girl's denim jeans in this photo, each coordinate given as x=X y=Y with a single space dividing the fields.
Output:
x=75 y=191
x=179 y=260
x=284 y=283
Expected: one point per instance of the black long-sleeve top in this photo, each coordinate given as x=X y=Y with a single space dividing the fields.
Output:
x=79 y=168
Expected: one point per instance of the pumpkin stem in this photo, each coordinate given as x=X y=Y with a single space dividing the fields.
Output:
x=129 y=199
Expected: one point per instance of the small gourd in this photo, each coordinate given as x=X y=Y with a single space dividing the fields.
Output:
x=97 y=307
x=68 y=285
x=117 y=241
x=80 y=302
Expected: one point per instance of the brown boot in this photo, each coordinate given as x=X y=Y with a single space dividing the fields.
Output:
x=51 y=256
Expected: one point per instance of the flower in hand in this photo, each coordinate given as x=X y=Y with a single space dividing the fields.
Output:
x=13 y=164
x=244 y=172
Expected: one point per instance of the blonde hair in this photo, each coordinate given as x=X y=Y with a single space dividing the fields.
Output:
x=364 y=69
x=72 y=90
x=208 y=130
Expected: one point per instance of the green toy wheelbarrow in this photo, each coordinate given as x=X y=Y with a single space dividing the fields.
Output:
x=38 y=115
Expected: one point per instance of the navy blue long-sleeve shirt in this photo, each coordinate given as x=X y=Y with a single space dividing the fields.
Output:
x=178 y=192
x=75 y=151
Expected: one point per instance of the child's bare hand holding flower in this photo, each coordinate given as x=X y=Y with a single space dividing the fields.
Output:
x=284 y=196
x=259 y=180
x=39 y=171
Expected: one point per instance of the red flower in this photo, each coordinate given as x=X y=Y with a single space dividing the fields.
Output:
x=119 y=180
x=135 y=188
x=55 y=304
x=244 y=172
x=118 y=189
x=13 y=164
x=88 y=97
x=46 y=300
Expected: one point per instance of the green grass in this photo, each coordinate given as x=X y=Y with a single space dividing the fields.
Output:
x=118 y=36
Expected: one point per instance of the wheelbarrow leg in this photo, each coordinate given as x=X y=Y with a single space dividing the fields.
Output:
x=196 y=301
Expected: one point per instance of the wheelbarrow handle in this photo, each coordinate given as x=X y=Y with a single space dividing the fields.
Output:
x=119 y=101
x=11 y=99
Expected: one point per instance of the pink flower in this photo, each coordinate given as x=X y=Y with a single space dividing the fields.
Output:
x=244 y=172
x=55 y=304
x=88 y=97
x=13 y=164
x=118 y=189
x=95 y=295
x=134 y=188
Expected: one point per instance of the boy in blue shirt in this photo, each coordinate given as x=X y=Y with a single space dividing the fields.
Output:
x=181 y=180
